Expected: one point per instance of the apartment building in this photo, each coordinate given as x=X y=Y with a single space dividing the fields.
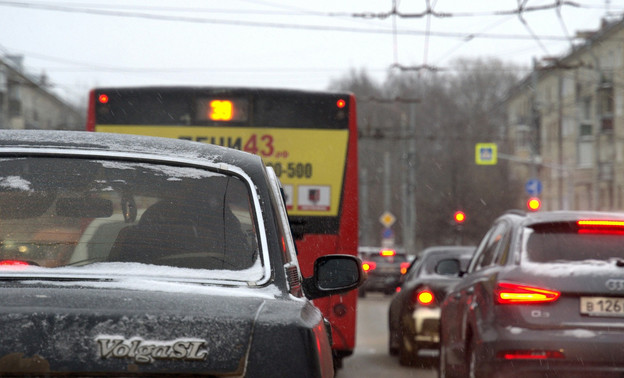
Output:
x=566 y=123
x=26 y=102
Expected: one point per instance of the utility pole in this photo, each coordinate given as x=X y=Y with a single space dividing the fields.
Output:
x=365 y=234
x=401 y=140
x=560 y=194
x=413 y=161
x=408 y=185
x=4 y=95
x=535 y=122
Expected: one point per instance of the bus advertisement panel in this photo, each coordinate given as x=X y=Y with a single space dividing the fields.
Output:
x=309 y=138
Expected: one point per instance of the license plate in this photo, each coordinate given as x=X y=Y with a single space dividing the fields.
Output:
x=602 y=306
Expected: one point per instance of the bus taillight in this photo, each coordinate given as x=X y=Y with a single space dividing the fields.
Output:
x=103 y=98
x=341 y=103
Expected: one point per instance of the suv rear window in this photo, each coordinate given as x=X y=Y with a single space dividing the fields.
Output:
x=378 y=258
x=552 y=245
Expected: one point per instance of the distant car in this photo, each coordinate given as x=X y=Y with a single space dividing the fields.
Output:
x=139 y=256
x=384 y=267
x=414 y=312
x=542 y=296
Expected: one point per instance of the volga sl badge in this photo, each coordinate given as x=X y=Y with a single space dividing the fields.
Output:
x=146 y=351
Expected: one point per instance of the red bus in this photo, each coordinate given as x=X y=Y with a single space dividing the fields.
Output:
x=309 y=138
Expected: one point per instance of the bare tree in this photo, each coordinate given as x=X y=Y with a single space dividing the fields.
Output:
x=455 y=110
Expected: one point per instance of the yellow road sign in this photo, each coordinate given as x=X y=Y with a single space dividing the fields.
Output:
x=387 y=219
x=486 y=153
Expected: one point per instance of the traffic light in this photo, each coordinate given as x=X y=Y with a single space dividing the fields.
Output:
x=534 y=203
x=459 y=217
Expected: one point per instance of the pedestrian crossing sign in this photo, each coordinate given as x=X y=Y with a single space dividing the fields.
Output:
x=486 y=154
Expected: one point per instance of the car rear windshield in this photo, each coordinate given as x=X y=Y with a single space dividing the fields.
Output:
x=58 y=212
x=390 y=259
x=566 y=242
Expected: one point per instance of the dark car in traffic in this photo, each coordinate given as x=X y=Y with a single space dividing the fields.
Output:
x=385 y=268
x=414 y=312
x=139 y=256
x=543 y=296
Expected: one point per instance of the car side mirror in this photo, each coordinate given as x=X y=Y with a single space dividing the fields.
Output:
x=334 y=274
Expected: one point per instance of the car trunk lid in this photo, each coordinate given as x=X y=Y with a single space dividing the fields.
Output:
x=90 y=331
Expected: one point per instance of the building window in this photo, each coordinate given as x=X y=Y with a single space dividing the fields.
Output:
x=587 y=105
x=523 y=138
x=585 y=157
x=585 y=130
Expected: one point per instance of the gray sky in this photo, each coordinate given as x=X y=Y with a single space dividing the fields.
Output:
x=80 y=44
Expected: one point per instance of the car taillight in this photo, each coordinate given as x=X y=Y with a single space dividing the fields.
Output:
x=13 y=264
x=509 y=293
x=423 y=296
x=404 y=266
x=369 y=265
x=529 y=354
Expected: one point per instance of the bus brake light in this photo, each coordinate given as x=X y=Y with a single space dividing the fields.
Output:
x=103 y=98
x=341 y=103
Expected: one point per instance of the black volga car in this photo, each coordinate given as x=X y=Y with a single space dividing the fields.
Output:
x=137 y=256
x=543 y=296
x=414 y=312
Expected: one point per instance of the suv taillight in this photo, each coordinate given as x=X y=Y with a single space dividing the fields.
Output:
x=510 y=293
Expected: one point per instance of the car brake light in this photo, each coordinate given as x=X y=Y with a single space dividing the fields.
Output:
x=404 y=266
x=600 y=226
x=529 y=354
x=369 y=265
x=387 y=252
x=423 y=297
x=509 y=293
x=13 y=264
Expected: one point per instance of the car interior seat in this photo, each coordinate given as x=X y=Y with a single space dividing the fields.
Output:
x=170 y=233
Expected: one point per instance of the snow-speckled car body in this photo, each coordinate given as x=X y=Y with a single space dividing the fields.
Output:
x=414 y=312
x=543 y=296
x=94 y=282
